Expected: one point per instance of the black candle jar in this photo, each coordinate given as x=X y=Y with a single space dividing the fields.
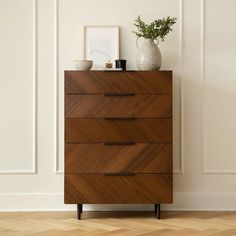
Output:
x=121 y=64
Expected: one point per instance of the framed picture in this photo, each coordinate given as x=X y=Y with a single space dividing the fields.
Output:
x=101 y=44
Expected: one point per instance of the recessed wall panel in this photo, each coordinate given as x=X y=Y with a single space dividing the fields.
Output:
x=219 y=87
x=17 y=86
x=73 y=15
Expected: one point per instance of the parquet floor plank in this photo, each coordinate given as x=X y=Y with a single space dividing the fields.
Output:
x=118 y=224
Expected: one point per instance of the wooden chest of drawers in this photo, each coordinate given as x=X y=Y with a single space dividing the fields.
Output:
x=118 y=138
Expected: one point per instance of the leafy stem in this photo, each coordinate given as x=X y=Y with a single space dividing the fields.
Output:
x=158 y=29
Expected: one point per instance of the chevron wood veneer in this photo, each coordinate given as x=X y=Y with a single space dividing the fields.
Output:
x=100 y=130
x=138 y=158
x=140 y=188
x=144 y=106
x=118 y=138
x=99 y=82
x=118 y=224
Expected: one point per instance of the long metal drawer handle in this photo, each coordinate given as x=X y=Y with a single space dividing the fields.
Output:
x=118 y=118
x=118 y=94
x=119 y=174
x=119 y=143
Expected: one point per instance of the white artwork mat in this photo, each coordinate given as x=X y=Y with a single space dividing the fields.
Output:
x=101 y=44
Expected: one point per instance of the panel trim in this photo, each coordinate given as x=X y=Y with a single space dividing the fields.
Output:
x=204 y=170
x=33 y=170
x=57 y=169
x=181 y=96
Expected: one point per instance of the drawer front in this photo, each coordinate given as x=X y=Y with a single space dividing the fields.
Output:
x=137 y=158
x=99 y=82
x=100 y=130
x=101 y=189
x=146 y=106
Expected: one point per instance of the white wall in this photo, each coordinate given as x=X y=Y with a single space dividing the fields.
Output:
x=40 y=39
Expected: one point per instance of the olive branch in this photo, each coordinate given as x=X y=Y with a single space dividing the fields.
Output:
x=157 y=29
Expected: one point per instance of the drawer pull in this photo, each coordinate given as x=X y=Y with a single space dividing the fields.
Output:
x=119 y=143
x=119 y=174
x=118 y=94
x=118 y=118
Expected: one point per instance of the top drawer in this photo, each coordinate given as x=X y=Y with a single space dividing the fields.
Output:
x=100 y=82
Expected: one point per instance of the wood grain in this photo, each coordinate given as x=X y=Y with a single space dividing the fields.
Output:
x=118 y=137
x=100 y=130
x=99 y=82
x=99 y=158
x=100 y=189
x=97 y=106
x=118 y=223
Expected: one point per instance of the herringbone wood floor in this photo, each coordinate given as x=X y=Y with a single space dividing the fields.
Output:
x=118 y=224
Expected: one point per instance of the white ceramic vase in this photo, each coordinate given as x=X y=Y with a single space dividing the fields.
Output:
x=148 y=56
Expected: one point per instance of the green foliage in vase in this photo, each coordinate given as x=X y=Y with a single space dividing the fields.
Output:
x=158 y=29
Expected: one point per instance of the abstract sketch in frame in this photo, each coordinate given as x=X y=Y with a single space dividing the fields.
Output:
x=101 y=44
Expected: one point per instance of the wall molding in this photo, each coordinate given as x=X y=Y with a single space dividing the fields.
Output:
x=57 y=169
x=203 y=81
x=54 y=202
x=181 y=126
x=202 y=37
x=33 y=170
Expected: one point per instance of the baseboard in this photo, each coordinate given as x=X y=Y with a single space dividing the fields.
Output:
x=54 y=202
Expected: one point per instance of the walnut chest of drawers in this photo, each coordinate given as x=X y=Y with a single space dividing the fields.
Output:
x=118 y=138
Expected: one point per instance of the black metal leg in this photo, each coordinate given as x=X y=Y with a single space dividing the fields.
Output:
x=155 y=208
x=79 y=210
x=158 y=211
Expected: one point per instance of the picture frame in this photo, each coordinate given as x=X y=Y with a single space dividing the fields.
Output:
x=101 y=45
